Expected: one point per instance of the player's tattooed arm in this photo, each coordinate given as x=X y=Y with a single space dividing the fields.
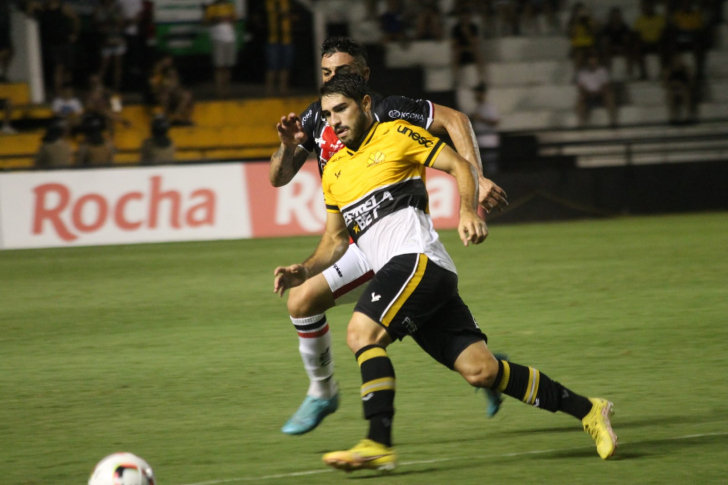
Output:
x=290 y=157
x=285 y=164
x=458 y=127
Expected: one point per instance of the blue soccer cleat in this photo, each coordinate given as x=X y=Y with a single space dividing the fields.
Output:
x=312 y=411
x=494 y=398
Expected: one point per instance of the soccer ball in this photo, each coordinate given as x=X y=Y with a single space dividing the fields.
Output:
x=122 y=469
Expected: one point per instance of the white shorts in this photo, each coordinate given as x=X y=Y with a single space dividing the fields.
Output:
x=348 y=276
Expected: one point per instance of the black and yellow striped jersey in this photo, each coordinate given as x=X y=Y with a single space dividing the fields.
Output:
x=384 y=180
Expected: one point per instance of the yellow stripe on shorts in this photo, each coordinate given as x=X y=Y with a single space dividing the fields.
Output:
x=409 y=288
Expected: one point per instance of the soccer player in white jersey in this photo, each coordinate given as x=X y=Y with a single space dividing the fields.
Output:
x=343 y=282
x=375 y=193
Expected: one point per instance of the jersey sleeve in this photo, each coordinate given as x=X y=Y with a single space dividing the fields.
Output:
x=419 y=112
x=308 y=121
x=331 y=204
x=417 y=144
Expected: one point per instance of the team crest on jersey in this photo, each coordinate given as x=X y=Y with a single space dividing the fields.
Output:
x=375 y=158
x=329 y=144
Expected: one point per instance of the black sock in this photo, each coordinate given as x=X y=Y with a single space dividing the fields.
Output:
x=537 y=389
x=377 y=392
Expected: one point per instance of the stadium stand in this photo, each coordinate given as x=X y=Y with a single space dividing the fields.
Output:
x=531 y=84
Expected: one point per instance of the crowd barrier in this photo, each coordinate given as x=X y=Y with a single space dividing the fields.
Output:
x=122 y=205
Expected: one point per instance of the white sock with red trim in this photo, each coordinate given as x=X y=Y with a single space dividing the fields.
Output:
x=314 y=344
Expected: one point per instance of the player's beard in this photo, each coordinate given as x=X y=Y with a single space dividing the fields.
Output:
x=357 y=131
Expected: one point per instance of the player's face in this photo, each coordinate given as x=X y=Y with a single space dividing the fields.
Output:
x=349 y=120
x=341 y=63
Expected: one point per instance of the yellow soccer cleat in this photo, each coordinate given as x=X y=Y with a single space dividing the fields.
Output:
x=597 y=424
x=367 y=455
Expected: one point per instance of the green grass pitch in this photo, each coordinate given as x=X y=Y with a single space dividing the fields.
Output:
x=181 y=353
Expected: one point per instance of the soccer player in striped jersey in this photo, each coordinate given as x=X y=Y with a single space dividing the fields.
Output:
x=343 y=282
x=375 y=193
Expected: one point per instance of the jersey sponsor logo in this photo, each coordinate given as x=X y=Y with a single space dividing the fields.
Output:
x=365 y=213
x=306 y=116
x=338 y=174
x=395 y=114
x=375 y=158
x=407 y=131
x=376 y=297
x=338 y=271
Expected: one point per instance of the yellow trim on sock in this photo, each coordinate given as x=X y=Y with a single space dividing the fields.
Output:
x=527 y=396
x=537 y=375
x=383 y=384
x=505 y=377
x=370 y=354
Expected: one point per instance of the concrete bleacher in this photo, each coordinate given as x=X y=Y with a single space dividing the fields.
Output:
x=531 y=83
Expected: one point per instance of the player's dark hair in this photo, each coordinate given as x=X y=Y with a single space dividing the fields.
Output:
x=356 y=50
x=351 y=86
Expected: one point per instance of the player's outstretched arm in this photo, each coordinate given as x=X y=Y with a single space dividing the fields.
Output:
x=458 y=127
x=471 y=227
x=333 y=245
x=290 y=157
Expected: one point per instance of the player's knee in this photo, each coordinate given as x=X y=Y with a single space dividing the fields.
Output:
x=481 y=373
x=359 y=334
x=303 y=302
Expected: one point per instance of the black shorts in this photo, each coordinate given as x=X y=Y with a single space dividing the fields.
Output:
x=413 y=296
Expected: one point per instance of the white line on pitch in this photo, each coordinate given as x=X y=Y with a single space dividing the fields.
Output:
x=438 y=460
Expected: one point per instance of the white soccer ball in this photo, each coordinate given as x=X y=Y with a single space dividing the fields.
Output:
x=122 y=469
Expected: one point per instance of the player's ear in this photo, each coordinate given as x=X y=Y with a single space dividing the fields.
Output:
x=366 y=103
x=365 y=74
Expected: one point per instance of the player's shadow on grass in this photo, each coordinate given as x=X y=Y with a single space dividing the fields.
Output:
x=627 y=423
x=640 y=449
x=398 y=473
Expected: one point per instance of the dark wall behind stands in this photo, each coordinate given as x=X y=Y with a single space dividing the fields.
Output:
x=571 y=193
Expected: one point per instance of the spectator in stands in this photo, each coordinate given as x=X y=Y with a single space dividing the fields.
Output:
x=67 y=106
x=158 y=148
x=176 y=102
x=6 y=42
x=108 y=18
x=393 y=22
x=485 y=120
x=55 y=151
x=133 y=11
x=95 y=149
x=6 y=106
x=582 y=30
x=617 y=39
x=429 y=21
x=104 y=104
x=280 y=49
x=687 y=34
x=679 y=85
x=220 y=16
x=648 y=39
x=595 y=90
x=532 y=9
x=466 y=46
x=59 y=26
